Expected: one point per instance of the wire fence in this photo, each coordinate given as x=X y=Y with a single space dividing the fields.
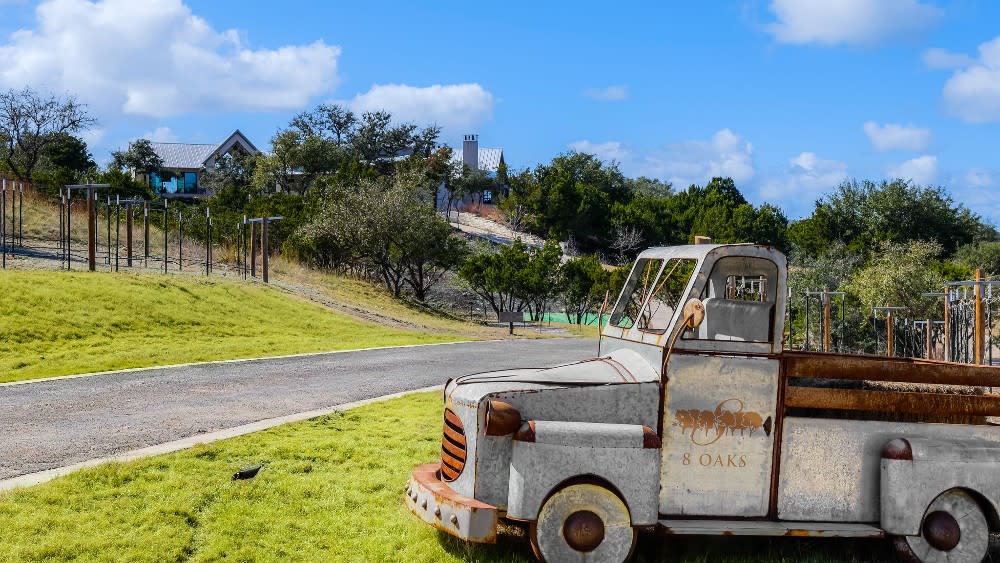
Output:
x=118 y=235
x=967 y=329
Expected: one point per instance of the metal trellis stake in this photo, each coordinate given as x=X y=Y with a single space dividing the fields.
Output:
x=164 y=236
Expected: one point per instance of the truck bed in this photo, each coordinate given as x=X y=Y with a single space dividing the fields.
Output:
x=934 y=391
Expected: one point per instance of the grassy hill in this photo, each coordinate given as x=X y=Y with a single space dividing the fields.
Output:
x=56 y=323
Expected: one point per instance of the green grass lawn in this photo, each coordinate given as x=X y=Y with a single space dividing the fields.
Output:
x=331 y=490
x=57 y=323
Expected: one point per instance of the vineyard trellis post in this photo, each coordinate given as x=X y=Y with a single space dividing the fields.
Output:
x=128 y=233
x=164 y=236
x=826 y=318
x=264 y=222
x=91 y=191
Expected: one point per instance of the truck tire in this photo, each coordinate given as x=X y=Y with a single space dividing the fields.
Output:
x=583 y=522
x=953 y=530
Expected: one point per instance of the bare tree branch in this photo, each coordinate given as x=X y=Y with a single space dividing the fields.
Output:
x=30 y=121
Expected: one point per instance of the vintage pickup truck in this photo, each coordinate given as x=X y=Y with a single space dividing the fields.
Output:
x=693 y=420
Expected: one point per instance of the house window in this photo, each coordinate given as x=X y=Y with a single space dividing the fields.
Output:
x=190 y=182
x=168 y=183
x=154 y=181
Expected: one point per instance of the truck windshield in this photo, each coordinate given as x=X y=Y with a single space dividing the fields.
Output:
x=648 y=302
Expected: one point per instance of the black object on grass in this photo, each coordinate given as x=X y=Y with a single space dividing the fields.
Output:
x=247 y=472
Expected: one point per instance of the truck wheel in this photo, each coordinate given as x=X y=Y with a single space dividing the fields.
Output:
x=583 y=522
x=953 y=530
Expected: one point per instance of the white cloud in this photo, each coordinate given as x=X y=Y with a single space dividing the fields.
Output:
x=921 y=170
x=893 y=136
x=806 y=178
x=156 y=58
x=612 y=150
x=684 y=163
x=696 y=162
x=160 y=135
x=611 y=93
x=93 y=136
x=854 y=22
x=978 y=178
x=973 y=93
x=940 y=59
x=451 y=106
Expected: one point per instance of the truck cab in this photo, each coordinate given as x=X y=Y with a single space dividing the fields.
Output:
x=693 y=420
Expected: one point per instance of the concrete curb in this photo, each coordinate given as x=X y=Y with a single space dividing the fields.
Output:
x=39 y=477
x=236 y=361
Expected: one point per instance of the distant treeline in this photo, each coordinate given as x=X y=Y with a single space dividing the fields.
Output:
x=359 y=194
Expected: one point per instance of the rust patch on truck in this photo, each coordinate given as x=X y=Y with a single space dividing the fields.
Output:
x=892 y=401
x=453 y=447
x=881 y=368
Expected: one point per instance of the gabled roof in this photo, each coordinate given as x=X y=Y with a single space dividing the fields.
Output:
x=489 y=158
x=193 y=156
x=183 y=155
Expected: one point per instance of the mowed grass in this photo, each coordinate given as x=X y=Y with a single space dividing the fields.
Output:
x=57 y=323
x=331 y=490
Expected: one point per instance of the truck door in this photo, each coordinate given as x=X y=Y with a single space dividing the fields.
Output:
x=720 y=395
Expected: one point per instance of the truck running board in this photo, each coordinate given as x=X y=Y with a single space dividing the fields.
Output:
x=766 y=528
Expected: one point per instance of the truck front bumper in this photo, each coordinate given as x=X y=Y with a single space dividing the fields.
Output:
x=434 y=502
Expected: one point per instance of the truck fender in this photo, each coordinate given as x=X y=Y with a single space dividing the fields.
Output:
x=547 y=454
x=914 y=471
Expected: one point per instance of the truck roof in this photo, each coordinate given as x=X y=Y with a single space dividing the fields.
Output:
x=700 y=251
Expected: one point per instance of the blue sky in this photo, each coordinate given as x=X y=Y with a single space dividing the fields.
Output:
x=789 y=97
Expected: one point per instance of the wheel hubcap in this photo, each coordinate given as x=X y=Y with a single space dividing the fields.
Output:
x=584 y=531
x=941 y=530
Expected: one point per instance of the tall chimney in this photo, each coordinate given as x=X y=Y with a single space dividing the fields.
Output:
x=470 y=152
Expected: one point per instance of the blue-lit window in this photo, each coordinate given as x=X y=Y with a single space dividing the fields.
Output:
x=168 y=183
x=154 y=181
x=190 y=182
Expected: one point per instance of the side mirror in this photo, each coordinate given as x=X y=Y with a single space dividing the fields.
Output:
x=694 y=313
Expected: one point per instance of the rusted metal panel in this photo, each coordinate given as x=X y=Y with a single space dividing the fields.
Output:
x=537 y=469
x=766 y=528
x=908 y=486
x=830 y=469
x=717 y=439
x=589 y=434
x=872 y=368
x=502 y=418
x=892 y=401
x=437 y=504
x=593 y=391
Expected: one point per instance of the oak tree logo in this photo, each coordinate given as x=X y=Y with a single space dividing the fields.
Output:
x=707 y=427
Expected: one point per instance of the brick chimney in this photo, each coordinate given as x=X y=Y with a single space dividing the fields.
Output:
x=470 y=151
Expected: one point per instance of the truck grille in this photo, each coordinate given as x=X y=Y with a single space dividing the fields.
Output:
x=452 y=447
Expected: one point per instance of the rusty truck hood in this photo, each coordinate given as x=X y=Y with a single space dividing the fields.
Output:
x=618 y=368
x=620 y=388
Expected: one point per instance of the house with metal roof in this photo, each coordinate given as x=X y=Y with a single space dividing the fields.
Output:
x=487 y=159
x=479 y=158
x=184 y=163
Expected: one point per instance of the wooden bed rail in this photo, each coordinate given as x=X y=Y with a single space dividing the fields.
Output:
x=901 y=402
x=880 y=368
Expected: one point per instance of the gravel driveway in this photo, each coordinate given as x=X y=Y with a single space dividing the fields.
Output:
x=49 y=424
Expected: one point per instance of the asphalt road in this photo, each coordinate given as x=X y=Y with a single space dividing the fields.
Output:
x=48 y=424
